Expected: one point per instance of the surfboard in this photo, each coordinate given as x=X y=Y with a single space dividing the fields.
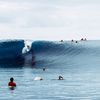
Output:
x=38 y=78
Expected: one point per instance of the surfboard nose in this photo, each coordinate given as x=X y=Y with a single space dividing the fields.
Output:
x=38 y=78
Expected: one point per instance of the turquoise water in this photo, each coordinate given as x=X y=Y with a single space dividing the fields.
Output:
x=79 y=64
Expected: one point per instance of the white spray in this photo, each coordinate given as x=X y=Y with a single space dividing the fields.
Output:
x=27 y=47
x=25 y=50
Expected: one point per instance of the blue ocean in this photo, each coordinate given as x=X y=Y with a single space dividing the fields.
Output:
x=78 y=63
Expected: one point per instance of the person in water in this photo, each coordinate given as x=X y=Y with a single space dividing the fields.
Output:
x=60 y=78
x=12 y=84
x=76 y=42
x=85 y=39
x=72 y=40
x=44 y=68
x=28 y=47
x=82 y=39
x=61 y=41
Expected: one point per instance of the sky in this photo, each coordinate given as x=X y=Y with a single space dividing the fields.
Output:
x=49 y=19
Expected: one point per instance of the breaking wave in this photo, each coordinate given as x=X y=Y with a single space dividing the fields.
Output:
x=49 y=53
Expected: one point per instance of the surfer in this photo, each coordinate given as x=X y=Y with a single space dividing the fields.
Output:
x=76 y=42
x=44 y=68
x=33 y=60
x=82 y=39
x=60 y=78
x=72 y=40
x=28 y=46
x=12 y=84
x=61 y=41
x=85 y=39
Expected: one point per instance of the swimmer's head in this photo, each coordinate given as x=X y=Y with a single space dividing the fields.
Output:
x=11 y=79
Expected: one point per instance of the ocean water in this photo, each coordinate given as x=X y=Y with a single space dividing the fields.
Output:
x=78 y=63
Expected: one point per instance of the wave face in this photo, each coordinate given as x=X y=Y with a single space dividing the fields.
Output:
x=11 y=51
x=57 y=54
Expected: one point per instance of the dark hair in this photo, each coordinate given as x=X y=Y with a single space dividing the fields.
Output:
x=11 y=79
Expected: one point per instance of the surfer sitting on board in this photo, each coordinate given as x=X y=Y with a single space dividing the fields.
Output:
x=12 y=84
